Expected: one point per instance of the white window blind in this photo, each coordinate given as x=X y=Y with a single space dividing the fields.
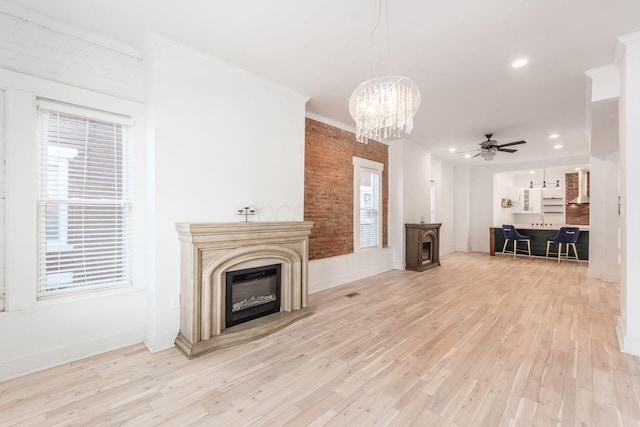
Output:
x=85 y=199
x=369 y=207
x=367 y=227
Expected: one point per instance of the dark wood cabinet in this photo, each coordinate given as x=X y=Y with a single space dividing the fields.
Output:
x=422 y=246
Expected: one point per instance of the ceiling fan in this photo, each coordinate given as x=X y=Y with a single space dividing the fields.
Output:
x=490 y=147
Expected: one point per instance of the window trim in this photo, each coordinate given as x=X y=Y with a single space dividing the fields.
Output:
x=42 y=291
x=358 y=165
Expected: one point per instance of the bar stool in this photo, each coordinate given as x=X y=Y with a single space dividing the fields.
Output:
x=567 y=236
x=510 y=233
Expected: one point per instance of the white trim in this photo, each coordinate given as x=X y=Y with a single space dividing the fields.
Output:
x=627 y=344
x=91 y=113
x=365 y=163
x=630 y=38
x=336 y=124
x=359 y=164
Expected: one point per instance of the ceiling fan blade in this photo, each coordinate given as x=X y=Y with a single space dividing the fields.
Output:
x=477 y=155
x=512 y=143
x=507 y=150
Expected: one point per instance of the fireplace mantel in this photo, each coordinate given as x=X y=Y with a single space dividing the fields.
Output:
x=209 y=250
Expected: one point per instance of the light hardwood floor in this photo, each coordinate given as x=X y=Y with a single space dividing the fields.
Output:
x=482 y=340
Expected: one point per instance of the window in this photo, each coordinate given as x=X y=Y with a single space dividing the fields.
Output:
x=85 y=199
x=432 y=200
x=367 y=218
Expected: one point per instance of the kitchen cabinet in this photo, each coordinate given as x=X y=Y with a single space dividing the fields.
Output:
x=531 y=202
x=515 y=194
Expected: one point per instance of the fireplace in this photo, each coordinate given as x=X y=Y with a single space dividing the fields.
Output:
x=422 y=246
x=252 y=293
x=260 y=267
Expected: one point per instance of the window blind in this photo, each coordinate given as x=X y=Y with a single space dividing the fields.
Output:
x=369 y=207
x=85 y=199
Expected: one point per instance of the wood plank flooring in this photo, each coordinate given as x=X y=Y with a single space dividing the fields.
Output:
x=480 y=341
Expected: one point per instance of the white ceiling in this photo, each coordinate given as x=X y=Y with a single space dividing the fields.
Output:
x=459 y=54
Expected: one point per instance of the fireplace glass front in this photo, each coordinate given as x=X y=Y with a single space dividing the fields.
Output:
x=252 y=293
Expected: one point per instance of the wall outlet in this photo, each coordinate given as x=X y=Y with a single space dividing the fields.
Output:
x=174 y=303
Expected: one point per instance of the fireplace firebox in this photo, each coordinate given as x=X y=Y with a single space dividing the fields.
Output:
x=252 y=293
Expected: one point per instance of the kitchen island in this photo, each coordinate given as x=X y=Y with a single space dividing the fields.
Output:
x=539 y=236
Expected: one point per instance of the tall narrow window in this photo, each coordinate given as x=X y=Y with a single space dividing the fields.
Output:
x=432 y=200
x=367 y=203
x=85 y=199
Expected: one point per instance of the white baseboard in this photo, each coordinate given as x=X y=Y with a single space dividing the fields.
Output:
x=327 y=273
x=630 y=345
x=159 y=342
x=604 y=276
x=69 y=353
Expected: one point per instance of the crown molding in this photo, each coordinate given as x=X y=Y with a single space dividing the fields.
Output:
x=70 y=30
x=336 y=124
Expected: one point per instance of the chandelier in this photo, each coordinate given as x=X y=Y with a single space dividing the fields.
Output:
x=383 y=107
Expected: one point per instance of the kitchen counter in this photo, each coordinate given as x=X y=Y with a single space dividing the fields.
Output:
x=539 y=236
x=554 y=227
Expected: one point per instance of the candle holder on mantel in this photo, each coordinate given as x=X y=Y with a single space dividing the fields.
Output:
x=246 y=211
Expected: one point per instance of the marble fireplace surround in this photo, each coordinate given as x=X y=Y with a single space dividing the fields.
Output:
x=209 y=250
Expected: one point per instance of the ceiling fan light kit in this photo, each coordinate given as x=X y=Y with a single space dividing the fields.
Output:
x=490 y=148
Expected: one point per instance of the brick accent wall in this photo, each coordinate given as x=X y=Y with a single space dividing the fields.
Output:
x=576 y=214
x=328 y=187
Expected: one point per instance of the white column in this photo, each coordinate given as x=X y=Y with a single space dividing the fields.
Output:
x=629 y=325
x=597 y=234
x=611 y=255
x=604 y=249
x=461 y=216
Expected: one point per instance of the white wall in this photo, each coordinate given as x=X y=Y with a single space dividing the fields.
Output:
x=416 y=169
x=396 y=203
x=501 y=184
x=442 y=174
x=462 y=208
x=629 y=324
x=2 y=198
x=219 y=138
x=409 y=192
x=603 y=219
x=42 y=333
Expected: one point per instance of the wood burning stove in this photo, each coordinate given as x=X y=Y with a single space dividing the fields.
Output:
x=252 y=293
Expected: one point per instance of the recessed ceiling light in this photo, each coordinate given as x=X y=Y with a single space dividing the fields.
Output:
x=467 y=156
x=554 y=136
x=532 y=172
x=577 y=169
x=519 y=62
x=557 y=146
x=452 y=150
